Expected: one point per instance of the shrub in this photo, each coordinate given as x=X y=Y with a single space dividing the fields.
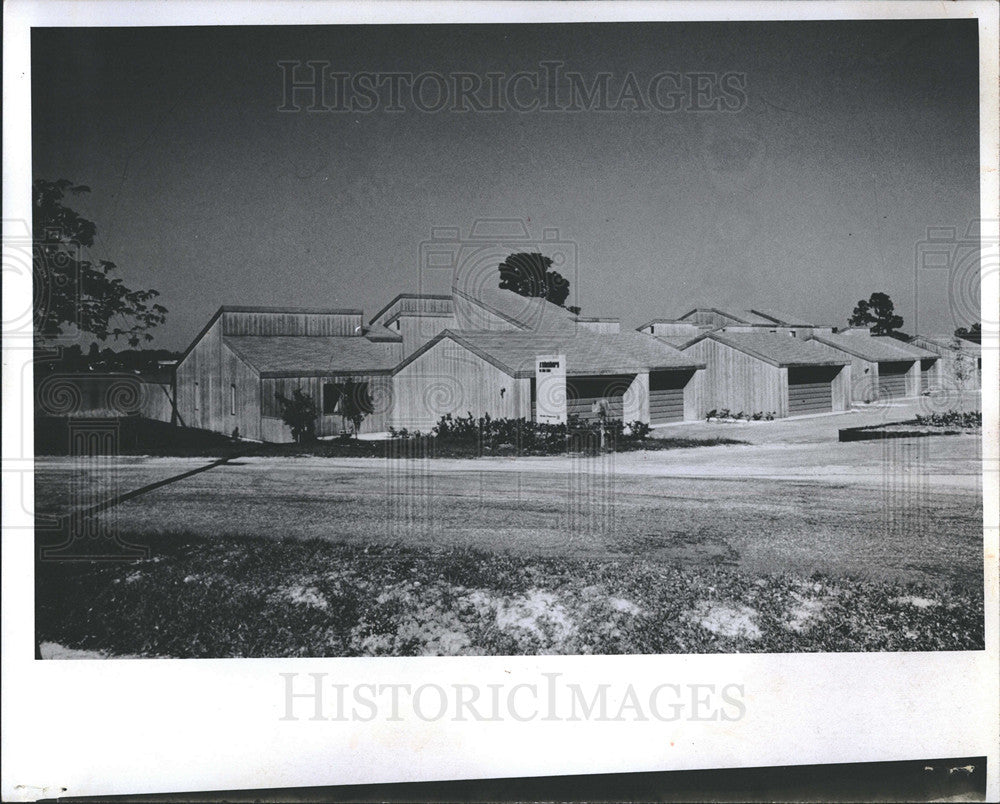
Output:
x=953 y=418
x=299 y=413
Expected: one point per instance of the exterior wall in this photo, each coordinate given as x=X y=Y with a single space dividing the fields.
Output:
x=710 y=317
x=606 y=327
x=636 y=399
x=429 y=305
x=240 y=383
x=265 y=323
x=380 y=389
x=469 y=315
x=205 y=382
x=675 y=329
x=447 y=378
x=157 y=401
x=199 y=394
x=843 y=391
x=418 y=330
x=913 y=379
x=737 y=381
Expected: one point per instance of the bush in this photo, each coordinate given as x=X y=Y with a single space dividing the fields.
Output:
x=299 y=413
x=953 y=418
x=523 y=436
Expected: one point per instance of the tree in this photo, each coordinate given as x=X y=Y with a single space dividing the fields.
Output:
x=354 y=403
x=878 y=313
x=299 y=413
x=529 y=275
x=72 y=290
x=973 y=333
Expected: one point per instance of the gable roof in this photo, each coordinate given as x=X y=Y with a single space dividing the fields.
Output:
x=948 y=342
x=587 y=353
x=299 y=356
x=875 y=349
x=527 y=313
x=737 y=319
x=781 y=319
x=778 y=350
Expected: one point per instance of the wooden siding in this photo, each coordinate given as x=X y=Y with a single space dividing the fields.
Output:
x=414 y=306
x=448 y=378
x=380 y=389
x=199 y=374
x=265 y=323
x=157 y=401
x=418 y=330
x=605 y=327
x=737 y=381
x=672 y=329
x=240 y=384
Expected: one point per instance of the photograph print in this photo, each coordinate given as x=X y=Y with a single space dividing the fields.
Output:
x=507 y=339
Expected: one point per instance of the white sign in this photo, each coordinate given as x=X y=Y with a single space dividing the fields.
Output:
x=550 y=389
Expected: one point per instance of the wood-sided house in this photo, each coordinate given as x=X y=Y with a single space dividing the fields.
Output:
x=765 y=372
x=229 y=378
x=493 y=372
x=881 y=366
x=960 y=364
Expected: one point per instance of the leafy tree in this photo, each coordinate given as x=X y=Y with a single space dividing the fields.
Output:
x=530 y=275
x=878 y=313
x=71 y=289
x=973 y=333
x=355 y=403
x=299 y=413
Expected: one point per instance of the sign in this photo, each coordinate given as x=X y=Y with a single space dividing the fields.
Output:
x=550 y=389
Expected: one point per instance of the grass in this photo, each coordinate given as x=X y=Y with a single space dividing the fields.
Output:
x=255 y=597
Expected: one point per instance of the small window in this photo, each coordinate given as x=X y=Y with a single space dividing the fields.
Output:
x=331 y=396
x=196 y=395
x=652 y=329
x=232 y=400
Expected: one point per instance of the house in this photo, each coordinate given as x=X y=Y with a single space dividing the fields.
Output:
x=767 y=372
x=229 y=378
x=496 y=373
x=961 y=361
x=882 y=367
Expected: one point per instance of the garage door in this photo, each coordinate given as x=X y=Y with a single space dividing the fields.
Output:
x=583 y=392
x=666 y=396
x=810 y=390
x=892 y=379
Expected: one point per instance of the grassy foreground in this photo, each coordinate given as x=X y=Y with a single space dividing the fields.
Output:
x=252 y=597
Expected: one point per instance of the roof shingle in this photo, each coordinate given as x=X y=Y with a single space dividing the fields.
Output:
x=299 y=355
x=777 y=349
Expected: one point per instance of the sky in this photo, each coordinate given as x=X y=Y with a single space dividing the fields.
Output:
x=847 y=141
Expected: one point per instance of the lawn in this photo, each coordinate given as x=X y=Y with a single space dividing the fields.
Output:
x=256 y=597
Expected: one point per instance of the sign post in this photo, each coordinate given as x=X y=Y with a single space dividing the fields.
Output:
x=550 y=389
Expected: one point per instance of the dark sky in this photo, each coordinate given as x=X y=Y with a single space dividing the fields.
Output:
x=856 y=137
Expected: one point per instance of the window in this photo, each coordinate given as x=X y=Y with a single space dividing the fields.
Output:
x=196 y=396
x=652 y=329
x=331 y=396
x=232 y=400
